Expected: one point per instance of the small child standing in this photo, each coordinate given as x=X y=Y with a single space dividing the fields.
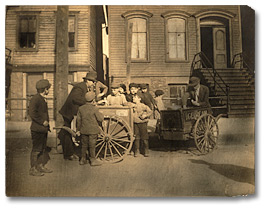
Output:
x=88 y=119
x=160 y=104
x=141 y=113
x=116 y=98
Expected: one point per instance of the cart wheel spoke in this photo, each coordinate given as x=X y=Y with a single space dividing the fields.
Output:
x=119 y=145
x=114 y=126
x=110 y=149
x=99 y=151
x=121 y=129
x=121 y=140
x=116 y=150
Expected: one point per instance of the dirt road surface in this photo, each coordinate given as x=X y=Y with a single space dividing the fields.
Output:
x=173 y=169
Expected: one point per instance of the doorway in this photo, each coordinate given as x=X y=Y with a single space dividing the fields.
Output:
x=215 y=42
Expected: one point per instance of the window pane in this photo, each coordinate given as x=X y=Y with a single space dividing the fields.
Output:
x=181 y=53
x=32 y=24
x=172 y=38
x=139 y=24
x=31 y=40
x=23 y=40
x=71 y=41
x=172 y=51
x=176 y=25
x=142 y=45
x=71 y=24
x=24 y=25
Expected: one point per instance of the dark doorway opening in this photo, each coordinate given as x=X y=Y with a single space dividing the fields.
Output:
x=207 y=44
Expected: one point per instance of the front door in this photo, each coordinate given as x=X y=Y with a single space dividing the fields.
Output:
x=219 y=47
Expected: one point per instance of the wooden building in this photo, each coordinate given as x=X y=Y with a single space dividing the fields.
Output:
x=31 y=38
x=161 y=49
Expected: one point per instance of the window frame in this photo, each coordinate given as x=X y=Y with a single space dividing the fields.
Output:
x=143 y=15
x=20 y=15
x=75 y=48
x=179 y=15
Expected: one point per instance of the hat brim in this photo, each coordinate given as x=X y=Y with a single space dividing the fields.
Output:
x=193 y=84
x=91 y=79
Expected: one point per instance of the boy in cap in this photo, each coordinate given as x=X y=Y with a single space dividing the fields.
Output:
x=38 y=111
x=75 y=99
x=141 y=114
x=199 y=94
x=116 y=98
x=88 y=119
x=148 y=98
x=134 y=91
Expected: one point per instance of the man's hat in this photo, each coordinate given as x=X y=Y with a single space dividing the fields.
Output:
x=92 y=75
x=135 y=85
x=115 y=85
x=43 y=83
x=193 y=81
x=90 y=96
x=159 y=92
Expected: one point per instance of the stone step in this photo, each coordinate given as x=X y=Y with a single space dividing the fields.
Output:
x=242 y=107
x=228 y=74
x=236 y=93
x=242 y=102
x=241 y=115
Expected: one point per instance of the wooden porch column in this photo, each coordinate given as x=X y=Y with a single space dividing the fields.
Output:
x=61 y=75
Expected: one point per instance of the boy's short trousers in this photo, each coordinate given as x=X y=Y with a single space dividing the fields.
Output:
x=140 y=131
x=39 y=141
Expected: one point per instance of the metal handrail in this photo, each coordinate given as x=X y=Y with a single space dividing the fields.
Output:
x=242 y=59
x=200 y=59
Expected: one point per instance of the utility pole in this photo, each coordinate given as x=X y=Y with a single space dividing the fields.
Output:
x=61 y=75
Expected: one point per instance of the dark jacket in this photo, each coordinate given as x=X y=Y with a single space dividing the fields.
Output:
x=75 y=99
x=203 y=97
x=38 y=111
x=149 y=100
x=88 y=119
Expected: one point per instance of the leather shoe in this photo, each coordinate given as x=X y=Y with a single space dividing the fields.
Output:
x=34 y=172
x=95 y=162
x=43 y=169
x=83 y=161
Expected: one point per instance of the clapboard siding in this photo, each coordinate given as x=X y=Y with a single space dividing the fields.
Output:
x=47 y=31
x=157 y=66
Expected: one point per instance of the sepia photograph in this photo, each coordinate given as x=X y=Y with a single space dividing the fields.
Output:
x=129 y=101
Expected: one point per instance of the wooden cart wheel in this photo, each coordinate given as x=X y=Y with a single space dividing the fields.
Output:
x=206 y=133
x=114 y=141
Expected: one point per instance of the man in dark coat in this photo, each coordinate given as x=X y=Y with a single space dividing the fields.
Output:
x=199 y=94
x=38 y=111
x=75 y=99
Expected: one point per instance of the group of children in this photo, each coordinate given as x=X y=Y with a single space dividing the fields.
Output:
x=142 y=104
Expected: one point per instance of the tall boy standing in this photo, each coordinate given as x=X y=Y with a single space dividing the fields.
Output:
x=38 y=111
x=141 y=114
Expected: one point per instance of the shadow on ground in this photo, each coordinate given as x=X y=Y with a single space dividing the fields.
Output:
x=233 y=172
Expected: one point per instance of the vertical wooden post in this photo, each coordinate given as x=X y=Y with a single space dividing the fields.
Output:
x=129 y=46
x=61 y=75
